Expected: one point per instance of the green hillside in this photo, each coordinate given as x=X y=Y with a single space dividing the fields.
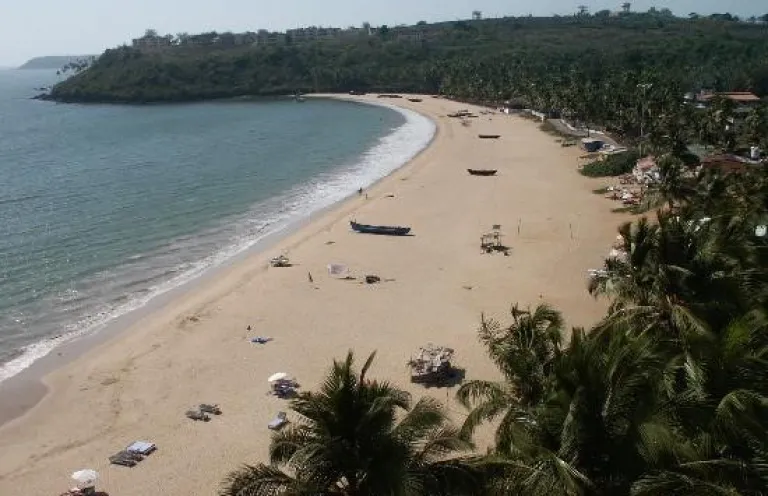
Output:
x=53 y=61
x=492 y=59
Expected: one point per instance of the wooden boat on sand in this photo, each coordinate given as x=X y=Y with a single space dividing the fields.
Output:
x=415 y=100
x=482 y=172
x=489 y=136
x=384 y=230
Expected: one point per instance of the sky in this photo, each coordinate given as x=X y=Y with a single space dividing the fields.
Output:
x=30 y=28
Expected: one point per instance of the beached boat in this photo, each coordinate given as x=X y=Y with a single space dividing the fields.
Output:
x=415 y=100
x=488 y=136
x=385 y=230
x=482 y=172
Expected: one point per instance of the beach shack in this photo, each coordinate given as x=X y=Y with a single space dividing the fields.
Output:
x=591 y=145
x=431 y=364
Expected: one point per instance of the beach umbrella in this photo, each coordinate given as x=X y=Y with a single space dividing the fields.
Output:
x=277 y=377
x=85 y=478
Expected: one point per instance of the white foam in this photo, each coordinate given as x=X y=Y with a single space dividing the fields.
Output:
x=391 y=152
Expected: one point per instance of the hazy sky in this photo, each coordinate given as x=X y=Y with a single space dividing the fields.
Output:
x=31 y=28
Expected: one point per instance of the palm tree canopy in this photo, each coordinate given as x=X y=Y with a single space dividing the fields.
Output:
x=348 y=441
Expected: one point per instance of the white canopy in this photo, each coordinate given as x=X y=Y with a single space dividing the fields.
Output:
x=279 y=376
x=85 y=478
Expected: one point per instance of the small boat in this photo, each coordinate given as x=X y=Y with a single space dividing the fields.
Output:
x=414 y=100
x=482 y=172
x=385 y=230
x=488 y=136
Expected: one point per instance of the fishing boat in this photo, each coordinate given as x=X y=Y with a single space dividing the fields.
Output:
x=414 y=100
x=488 y=136
x=482 y=172
x=385 y=230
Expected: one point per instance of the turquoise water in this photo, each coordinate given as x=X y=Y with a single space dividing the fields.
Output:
x=104 y=207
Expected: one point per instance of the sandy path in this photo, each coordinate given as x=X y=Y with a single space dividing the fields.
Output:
x=195 y=349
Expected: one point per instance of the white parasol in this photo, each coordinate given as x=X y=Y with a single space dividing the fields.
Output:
x=277 y=377
x=85 y=478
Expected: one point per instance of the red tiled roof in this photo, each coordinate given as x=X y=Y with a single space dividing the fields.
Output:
x=725 y=163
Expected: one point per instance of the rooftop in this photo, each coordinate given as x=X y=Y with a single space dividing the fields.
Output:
x=736 y=96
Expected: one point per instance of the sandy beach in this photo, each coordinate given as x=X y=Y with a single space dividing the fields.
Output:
x=436 y=284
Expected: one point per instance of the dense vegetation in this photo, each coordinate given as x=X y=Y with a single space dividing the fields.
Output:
x=53 y=61
x=612 y=165
x=490 y=60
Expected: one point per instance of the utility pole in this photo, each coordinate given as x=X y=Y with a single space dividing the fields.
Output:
x=644 y=87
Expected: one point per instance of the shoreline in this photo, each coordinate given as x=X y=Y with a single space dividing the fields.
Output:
x=28 y=387
x=196 y=348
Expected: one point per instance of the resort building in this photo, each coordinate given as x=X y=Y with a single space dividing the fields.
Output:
x=149 y=42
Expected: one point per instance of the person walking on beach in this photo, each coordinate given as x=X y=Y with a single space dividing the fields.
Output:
x=360 y=192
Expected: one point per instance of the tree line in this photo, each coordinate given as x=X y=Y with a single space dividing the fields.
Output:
x=488 y=60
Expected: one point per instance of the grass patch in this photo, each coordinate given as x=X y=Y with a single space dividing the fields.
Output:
x=550 y=128
x=612 y=165
x=629 y=209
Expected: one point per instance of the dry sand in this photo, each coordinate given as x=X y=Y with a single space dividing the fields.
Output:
x=196 y=348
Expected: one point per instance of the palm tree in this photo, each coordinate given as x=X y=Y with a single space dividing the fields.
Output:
x=672 y=186
x=719 y=395
x=524 y=352
x=598 y=427
x=675 y=278
x=347 y=442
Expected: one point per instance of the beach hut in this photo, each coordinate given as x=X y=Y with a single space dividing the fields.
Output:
x=431 y=364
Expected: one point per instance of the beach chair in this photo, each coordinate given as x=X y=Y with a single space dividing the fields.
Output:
x=212 y=409
x=125 y=459
x=197 y=415
x=278 y=422
x=142 y=448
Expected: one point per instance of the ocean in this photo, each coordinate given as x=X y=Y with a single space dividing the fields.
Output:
x=104 y=207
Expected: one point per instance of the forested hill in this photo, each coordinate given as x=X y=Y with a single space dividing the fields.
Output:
x=493 y=59
x=53 y=61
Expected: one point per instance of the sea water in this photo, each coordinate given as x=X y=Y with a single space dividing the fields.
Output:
x=104 y=207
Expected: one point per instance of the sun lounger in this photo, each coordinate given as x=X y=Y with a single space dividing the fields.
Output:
x=212 y=409
x=141 y=447
x=197 y=415
x=278 y=422
x=125 y=458
x=122 y=461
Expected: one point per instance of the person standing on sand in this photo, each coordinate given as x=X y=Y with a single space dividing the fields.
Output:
x=360 y=192
x=309 y=276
